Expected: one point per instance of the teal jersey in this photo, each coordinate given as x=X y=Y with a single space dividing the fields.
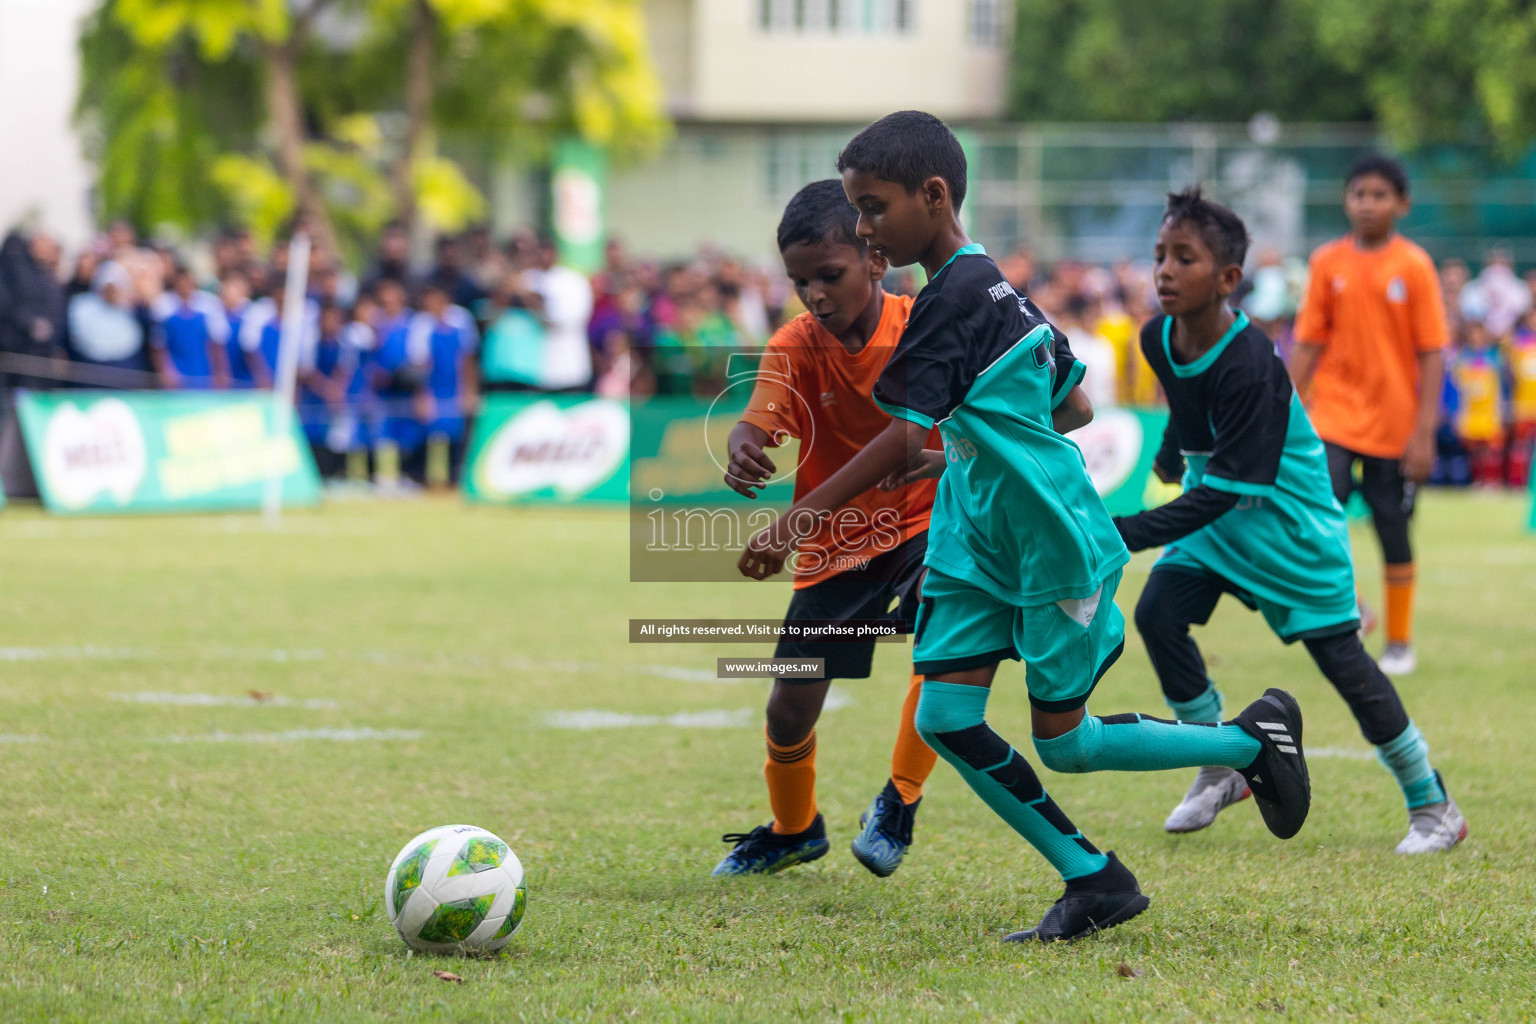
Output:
x=1240 y=427
x=1016 y=514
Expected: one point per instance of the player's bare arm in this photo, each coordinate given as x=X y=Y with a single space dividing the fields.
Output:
x=1419 y=456
x=893 y=449
x=1303 y=365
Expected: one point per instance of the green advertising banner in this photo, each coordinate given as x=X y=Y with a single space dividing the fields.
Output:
x=160 y=451
x=671 y=450
x=548 y=448
x=579 y=203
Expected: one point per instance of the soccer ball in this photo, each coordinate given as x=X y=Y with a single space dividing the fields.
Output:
x=455 y=889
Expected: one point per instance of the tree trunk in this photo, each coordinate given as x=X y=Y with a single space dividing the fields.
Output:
x=286 y=112
x=418 y=113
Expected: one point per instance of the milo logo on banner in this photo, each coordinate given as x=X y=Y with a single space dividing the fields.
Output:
x=94 y=452
x=564 y=448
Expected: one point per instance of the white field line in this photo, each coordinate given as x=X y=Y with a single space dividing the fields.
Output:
x=14 y=738
x=513 y=663
x=1344 y=753
x=297 y=735
x=594 y=718
x=212 y=700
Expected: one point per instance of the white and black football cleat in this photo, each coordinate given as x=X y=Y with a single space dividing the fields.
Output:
x=1434 y=828
x=1278 y=776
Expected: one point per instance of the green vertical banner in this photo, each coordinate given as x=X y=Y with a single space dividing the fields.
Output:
x=579 y=203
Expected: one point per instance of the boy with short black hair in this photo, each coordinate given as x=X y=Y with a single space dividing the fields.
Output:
x=815 y=385
x=1368 y=366
x=1257 y=520
x=1023 y=560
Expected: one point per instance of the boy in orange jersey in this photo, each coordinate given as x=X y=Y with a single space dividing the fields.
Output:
x=816 y=384
x=1369 y=367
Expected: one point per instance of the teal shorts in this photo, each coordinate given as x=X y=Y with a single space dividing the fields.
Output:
x=1067 y=646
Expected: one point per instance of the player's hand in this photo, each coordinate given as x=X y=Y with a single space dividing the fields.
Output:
x=1419 y=457
x=928 y=465
x=1169 y=474
x=426 y=406
x=765 y=553
x=749 y=470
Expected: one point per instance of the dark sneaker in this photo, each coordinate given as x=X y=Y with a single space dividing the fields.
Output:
x=886 y=832
x=1278 y=776
x=764 y=852
x=1091 y=904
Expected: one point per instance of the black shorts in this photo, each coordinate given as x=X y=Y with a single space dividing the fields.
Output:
x=1382 y=484
x=886 y=589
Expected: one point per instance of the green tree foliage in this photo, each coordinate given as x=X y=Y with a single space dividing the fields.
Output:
x=1221 y=60
x=254 y=109
x=1437 y=70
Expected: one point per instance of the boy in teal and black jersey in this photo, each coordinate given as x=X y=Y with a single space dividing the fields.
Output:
x=1023 y=560
x=1257 y=520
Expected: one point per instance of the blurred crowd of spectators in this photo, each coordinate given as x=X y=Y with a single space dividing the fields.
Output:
x=392 y=363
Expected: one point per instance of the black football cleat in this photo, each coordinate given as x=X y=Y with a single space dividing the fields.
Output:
x=1091 y=904
x=1278 y=776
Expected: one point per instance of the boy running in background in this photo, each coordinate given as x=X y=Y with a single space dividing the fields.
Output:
x=1257 y=520
x=1368 y=366
x=1023 y=560
x=815 y=385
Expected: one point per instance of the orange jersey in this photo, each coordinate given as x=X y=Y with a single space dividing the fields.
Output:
x=810 y=387
x=1373 y=312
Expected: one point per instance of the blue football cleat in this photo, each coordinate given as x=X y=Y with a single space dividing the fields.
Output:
x=886 y=832
x=765 y=852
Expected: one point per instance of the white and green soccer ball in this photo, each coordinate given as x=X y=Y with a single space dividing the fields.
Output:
x=455 y=889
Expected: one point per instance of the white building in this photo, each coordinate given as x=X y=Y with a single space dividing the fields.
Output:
x=44 y=179
x=765 y=93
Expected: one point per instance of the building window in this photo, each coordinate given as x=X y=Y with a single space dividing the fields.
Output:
x=986 y=22
x=869 y=16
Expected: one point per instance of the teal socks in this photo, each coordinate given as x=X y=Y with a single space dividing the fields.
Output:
x=1204 y=708
x=1137 y=743
x=1407 y=758
x=951 y=718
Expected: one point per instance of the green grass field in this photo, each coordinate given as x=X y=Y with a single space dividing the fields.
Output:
x=225 y=861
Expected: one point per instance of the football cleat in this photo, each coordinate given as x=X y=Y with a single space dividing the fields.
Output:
x=1091 y=904
x=1398 y=660
x=885 y=832
x=1434 y=828
x=1215 y=788
x=1278 y=776
x=765 y=852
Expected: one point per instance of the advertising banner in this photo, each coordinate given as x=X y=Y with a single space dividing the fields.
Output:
x=672 y=451
x=125 y=451
x=548 y=448
x=579 y=204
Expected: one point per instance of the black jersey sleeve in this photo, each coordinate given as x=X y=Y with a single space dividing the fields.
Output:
x=930 y=371
x=1200 y=506
x=1168 y=457
x=1067 y=372
x=1249 y=414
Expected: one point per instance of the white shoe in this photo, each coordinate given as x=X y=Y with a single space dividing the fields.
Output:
x=1398 y=660
x=1214 y=789
x=1434 y=828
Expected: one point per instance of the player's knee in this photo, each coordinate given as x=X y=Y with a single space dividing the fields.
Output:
x=938 y=714
x=791 y=718
x=1072 y=752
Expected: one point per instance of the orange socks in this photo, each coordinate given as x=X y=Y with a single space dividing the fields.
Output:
x=791 y=775
x=912 y=760
x=1399 y=600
